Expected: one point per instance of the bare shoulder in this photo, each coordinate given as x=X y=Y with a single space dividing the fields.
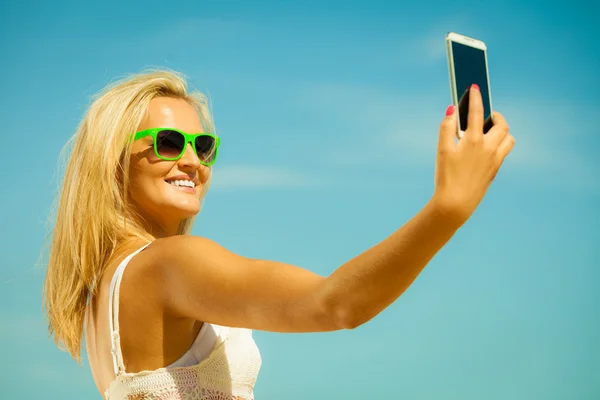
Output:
x=174 y=245
x=187 y=251
x=170 y=264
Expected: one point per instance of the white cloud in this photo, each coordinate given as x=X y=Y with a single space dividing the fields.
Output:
x=433 y=45
x=386 y=129
x=428 y=46
x=261 y=177
x=549 y=136
x=382 y=128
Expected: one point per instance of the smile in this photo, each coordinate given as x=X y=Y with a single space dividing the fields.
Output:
x=183 y=185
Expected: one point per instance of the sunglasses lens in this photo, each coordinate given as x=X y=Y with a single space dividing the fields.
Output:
x=206 y=148
x=169 y=143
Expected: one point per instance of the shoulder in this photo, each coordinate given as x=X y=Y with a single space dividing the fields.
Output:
x=182 y=250
x=173 y=272
x=169 y=250
x=181 y=256
x=179 y=242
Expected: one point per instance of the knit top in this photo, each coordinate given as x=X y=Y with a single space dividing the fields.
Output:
x=226 y=370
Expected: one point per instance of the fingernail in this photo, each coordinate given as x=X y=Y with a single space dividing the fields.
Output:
x=450 y=111
x=475 y=86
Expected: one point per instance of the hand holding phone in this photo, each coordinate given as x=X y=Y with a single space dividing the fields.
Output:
x=467 y=66
x=465 y=169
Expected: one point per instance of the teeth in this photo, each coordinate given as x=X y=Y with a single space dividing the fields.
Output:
x=182 y=183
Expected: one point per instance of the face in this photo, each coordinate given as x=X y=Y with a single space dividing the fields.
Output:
x=152 y=179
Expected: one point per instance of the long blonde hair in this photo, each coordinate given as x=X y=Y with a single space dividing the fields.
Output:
x=93 y=215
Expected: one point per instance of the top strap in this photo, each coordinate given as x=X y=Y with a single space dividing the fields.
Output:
x=113 y=308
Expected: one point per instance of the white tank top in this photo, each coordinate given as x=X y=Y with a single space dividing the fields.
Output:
x=222 y=363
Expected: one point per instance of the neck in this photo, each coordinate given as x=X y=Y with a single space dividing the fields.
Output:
x=159 y=228
x=163 y=228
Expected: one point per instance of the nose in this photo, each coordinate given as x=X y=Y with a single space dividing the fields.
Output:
x=189 y=158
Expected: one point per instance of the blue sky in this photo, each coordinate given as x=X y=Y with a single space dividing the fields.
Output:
x=329 y=113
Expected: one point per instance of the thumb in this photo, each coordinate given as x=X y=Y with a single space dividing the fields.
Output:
x=448 y=130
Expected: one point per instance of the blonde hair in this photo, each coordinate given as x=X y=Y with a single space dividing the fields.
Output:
x=93 y=215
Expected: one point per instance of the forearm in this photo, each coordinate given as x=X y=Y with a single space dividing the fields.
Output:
x=364 y=286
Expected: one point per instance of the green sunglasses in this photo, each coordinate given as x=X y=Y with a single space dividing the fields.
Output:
x=170 y=144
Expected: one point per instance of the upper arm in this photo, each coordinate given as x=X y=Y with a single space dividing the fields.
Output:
x=202 y=280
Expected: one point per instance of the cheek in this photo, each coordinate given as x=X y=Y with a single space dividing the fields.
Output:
x=204 y=174
x=147 y=182
x=138 y=189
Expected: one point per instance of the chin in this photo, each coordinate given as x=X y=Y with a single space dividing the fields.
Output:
x=184 y=211
x=184 y=205
x=189 y=213
x=168 y=204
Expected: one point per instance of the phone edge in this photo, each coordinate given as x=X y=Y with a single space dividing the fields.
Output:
x=451 y=73
x=478 y=44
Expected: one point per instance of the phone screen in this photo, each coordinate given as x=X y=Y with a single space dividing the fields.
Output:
x=470 y=68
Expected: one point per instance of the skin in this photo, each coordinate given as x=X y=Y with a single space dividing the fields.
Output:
x=180 y=280
x=162 y=205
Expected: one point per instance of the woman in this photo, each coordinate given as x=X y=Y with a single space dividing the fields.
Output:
x=168 y=315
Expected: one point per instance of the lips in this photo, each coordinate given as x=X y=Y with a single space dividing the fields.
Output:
x=184 y=177
x=181 y=183
x=182 y=188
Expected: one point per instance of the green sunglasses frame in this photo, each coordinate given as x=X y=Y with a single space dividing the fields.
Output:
x=188 y=137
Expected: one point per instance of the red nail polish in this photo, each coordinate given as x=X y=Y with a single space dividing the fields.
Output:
x=450 y=111
x=475 y=86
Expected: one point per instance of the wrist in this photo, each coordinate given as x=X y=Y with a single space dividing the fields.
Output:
x=448 y=212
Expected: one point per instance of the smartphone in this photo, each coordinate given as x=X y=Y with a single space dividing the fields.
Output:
x=467 y=64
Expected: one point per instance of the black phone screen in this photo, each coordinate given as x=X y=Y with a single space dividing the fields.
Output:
x=470 y=68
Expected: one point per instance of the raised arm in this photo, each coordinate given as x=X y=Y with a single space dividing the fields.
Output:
x=204 y=281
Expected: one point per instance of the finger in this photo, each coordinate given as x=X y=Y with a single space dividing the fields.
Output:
x=498 y=119
x=505 y=147
x=463 y=110
x=475 y=118
x=448 y=130
x=499 y=131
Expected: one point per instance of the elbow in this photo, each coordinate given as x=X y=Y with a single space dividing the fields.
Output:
x=338 y=312
x=346 y=317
